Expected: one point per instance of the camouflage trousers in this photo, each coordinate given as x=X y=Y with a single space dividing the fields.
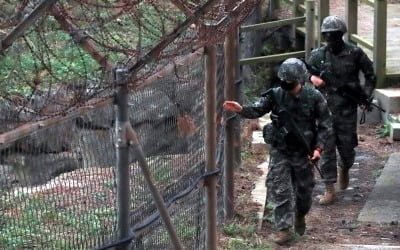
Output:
x=290 y=182
x=339 y=150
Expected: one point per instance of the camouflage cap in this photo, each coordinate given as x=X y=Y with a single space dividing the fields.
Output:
x=333 y=23
x=292 y=70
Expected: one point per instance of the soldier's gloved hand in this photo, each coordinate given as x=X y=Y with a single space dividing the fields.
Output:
x=232 y=106
x=317 y=81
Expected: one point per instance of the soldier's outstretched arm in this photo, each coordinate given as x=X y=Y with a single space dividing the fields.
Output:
x=261 y=107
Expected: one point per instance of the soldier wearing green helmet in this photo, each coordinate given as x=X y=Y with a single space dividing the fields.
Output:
x=333 y=23
x=290 y=179
x=344 y=61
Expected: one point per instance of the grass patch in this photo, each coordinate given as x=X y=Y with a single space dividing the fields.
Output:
x=235 y=229
x=384 y=130
x=248 y=244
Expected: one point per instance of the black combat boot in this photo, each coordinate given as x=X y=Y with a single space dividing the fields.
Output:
x=299 y=224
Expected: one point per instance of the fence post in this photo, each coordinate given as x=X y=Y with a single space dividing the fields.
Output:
x=122 y=157
x=296 y=13
x=323 y=11
x=211 y=145
x=380 y=28
x=239 y=97
x=310 y=35
x=273 y=5
x=351 y=15
x=229 y=147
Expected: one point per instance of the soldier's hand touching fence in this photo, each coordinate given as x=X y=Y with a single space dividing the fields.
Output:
x=232 y=106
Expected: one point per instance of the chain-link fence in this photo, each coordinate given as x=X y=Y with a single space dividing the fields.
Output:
x=58 y=184
x=58 y=180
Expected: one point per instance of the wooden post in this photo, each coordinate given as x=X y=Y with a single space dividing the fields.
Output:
x=296 y=13
x=273 y=5
x=211 y=145
x=351 y=16
x=239 y=97
x=380 y=26
x=229 y=147
x=309 y=39
x=323 y=11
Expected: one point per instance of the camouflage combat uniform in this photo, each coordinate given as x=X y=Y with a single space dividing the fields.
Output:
x=290 y=173
x=345 y=65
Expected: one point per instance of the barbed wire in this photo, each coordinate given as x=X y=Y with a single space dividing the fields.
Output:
x=65 y=58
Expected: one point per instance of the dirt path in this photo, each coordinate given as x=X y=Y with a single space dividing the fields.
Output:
x=329 y=227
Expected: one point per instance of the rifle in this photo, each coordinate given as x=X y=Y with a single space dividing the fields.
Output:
x=288 y=126
x=360 y=98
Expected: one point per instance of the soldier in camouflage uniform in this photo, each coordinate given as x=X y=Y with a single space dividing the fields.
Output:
x=290 y=179
x=344 y=61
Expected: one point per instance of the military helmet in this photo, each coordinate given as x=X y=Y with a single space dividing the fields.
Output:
x=333 y=23
x=292 y=70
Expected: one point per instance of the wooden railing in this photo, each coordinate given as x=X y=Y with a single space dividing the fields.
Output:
x=306 y=20
x=379 y=38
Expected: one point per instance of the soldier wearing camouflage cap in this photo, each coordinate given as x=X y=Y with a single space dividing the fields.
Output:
x=290 y=179
x=344 y=61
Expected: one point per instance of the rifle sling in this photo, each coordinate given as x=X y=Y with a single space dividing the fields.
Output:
x=277 y=97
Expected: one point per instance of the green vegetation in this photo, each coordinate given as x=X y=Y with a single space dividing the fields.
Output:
x=235 y=229
x=53 y=221
x=243 y=236
x=47 y=56
x=110 y=184
x=37 y=65
x=38 y=221
x=246 y=153
x=384 y=130
x=248 y=244
x=241 y=232
x=187 y=231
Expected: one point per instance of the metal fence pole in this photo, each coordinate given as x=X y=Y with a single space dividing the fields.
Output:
x=211 y=145
x=310 y=24
x=126 y=138
x=122 y=157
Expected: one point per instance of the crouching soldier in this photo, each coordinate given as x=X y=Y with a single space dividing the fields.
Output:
x=301 y=124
